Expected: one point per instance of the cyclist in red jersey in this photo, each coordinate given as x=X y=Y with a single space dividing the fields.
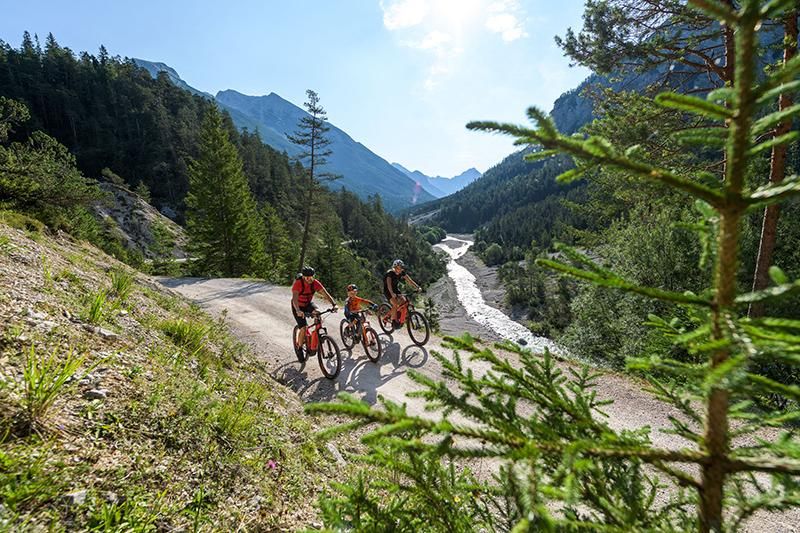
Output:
x=303 y=290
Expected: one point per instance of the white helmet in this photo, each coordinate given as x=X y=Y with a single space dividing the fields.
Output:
x=398 y=263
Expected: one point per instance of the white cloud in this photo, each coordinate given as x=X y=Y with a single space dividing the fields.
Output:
x=507 y=25
x=444 y=28
x=404 y=13
x=505 y=20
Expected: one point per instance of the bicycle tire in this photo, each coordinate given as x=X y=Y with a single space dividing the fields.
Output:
x=347 y=334
x=383 y=310
x=300 y=353
x=417 y=325
x=328 y=352
x=373 y=350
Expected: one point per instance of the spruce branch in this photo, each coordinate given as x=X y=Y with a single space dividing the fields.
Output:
x=596 y=151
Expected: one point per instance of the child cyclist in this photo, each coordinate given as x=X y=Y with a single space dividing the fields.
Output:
x=353 y=305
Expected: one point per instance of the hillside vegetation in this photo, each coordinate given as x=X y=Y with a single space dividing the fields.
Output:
x=124 y=407
x=104 y=118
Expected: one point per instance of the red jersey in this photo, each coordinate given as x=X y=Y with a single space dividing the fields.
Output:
x=353 y=303
x=306 y=290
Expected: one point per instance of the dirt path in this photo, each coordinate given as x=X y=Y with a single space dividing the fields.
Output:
x=260 y=315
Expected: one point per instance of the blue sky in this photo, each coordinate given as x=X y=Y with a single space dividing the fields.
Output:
x=402 y=77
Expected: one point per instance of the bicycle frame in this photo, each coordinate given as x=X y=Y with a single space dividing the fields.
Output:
x=402 y=310
x=312 y=331
x=364 y=323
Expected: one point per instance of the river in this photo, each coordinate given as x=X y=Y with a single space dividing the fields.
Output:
x=470 y=297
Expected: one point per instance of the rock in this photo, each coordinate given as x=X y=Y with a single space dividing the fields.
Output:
x=336 y=454
x=87 y=381
x=522 y=342
x=106 y=334
x=75 y=498
x=96 y=394
x=123 y=312
x=34 y=315
x=47 y=325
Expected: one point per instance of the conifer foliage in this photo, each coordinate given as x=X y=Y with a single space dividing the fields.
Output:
x=562 y=467
x=311 y=136
x=222 y=218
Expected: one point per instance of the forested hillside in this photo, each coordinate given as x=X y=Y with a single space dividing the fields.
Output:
x=120 y=123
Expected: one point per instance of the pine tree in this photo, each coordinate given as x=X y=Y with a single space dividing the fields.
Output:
x=311 y=136
x=277 y=245
x=563 y=467
x=221 y=219
x=777 y=171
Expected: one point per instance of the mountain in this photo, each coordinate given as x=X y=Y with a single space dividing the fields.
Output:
x=439 y=186
x=156 y=68
x=456 y=183
x=363 y=172
x=422 y=179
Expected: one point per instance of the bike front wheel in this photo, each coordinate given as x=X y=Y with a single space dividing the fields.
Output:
x=418 y=328
x=385 y=318
x=372 y=345
x=347 y=333
x=330 y=360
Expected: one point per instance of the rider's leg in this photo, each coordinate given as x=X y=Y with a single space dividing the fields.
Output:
x=395 y=303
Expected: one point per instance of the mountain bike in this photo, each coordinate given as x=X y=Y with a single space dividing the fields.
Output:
x=417 y=324
x=319 y=342
x=367 y=336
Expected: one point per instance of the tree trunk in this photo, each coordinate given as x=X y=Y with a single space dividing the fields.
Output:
x=716 y=438
x=777 y=171
x=306 y=225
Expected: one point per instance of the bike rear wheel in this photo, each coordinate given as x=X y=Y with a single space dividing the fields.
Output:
x=385 y=318
x=330 y=360
x=418 y=328
x=347 y=333
x=300 y=353
x=372 y=345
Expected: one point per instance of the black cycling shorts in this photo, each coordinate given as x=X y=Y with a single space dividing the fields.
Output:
x=307 y=310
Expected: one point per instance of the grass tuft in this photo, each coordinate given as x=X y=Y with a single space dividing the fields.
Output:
x=121 y=284
x=189 y=335
x=97 y=303
x=45 y=378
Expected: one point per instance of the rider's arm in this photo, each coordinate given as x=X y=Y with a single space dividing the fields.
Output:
x=296 y=303
x=412 y=283
x=329 y=297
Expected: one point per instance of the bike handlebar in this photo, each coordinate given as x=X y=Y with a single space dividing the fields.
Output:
x=320 y=313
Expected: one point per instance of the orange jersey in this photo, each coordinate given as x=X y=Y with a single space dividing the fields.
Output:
x=354 y=303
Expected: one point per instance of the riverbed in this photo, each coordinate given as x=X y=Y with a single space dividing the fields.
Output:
x=461 y=300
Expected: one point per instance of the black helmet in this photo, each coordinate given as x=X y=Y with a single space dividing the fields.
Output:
x=307 y=271
x=352 y=287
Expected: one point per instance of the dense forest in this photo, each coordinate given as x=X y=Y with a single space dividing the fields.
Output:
x=119 y=123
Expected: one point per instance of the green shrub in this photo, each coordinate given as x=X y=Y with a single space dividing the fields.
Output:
x=493 y=255
x=21 y=221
